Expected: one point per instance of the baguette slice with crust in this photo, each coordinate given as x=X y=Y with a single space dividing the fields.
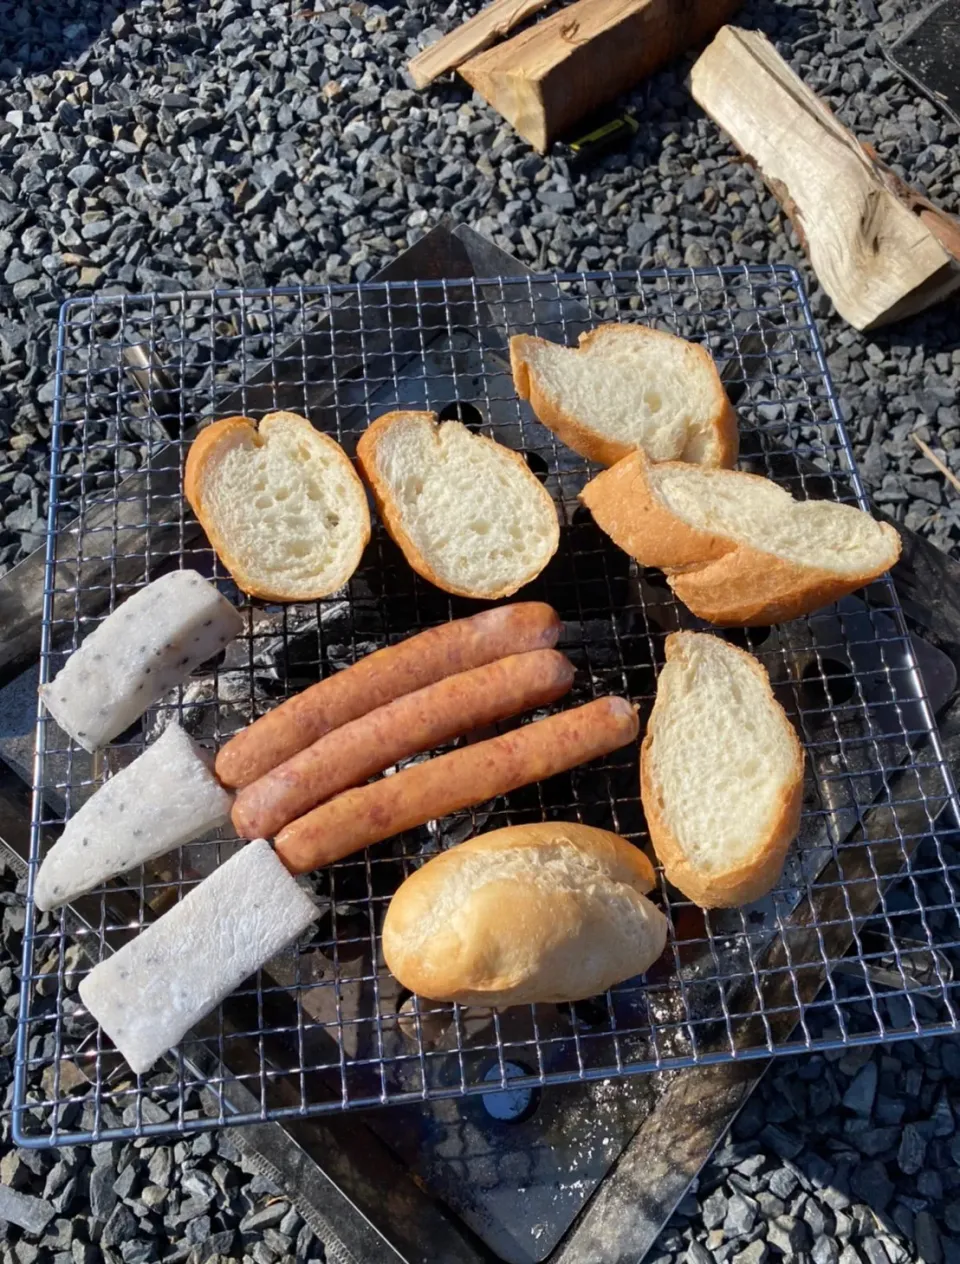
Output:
x=466 y=511
x=282 y=505
x=721 y=773
x=628 y=387
x=736 y=548
x=549 y=912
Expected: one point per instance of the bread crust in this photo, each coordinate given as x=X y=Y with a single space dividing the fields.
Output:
x=753 y=878
x=519 y=939
x=393 y=517
x=232 y=431
x=579 y=435
x=719 y=579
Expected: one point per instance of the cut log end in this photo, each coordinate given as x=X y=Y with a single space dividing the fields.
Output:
x=546 y=79
x=880 y=249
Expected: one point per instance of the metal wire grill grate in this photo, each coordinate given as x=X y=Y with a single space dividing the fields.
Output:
x=325 y=1027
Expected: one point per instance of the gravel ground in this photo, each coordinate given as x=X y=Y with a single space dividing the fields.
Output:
x=177 y=145
x=849 y=1157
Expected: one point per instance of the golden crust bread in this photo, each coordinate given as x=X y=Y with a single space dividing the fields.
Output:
x=754 y=877
x=578 y=434
x=216 y=439
x=720 y=579
x=547 y=912
x=393 y=518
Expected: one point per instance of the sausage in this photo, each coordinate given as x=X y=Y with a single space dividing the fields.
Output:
x=379 y=678
x=461 y=779
x=416 y=722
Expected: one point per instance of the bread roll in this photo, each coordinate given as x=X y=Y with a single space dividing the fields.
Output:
x=466 y=511
x=551 y=912
x=721 y=773
x=280 y=502
x=626 y=387
x=737 y=548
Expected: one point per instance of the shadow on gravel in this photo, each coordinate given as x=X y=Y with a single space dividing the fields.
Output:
x=935 y=330
x=40 y=36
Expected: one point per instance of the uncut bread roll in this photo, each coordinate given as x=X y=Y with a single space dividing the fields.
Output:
x=281 y=504
x=466 y=511
x=552 y=912
x=721 y=773
x=736 y=548
x=628 y=387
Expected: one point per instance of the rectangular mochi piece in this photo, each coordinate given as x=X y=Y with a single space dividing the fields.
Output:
x=148 y=645
x=166 y=797
x=148 y=995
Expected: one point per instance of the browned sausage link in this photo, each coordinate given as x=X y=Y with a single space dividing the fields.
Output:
x=461 y=779
x=417 y=722
x=379 y=678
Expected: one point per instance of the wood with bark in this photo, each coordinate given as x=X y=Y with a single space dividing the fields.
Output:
x=547 y=78
x=471 y=37
x=880 y=249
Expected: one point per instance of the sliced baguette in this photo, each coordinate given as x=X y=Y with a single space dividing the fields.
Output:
x=721 y=773
x=628 y=387
x=282 y=506
x=736 y=548
x=544 y=912
x=466 y=511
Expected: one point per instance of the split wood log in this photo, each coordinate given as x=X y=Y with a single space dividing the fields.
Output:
x=880 y=249
x=547 y=78
x=492 y=23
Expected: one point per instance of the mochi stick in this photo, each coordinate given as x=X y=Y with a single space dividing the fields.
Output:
x=149 y=644
x=166 y=797
x=149 y=994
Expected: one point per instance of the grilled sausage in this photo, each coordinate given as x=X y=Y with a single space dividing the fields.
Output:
x=379 y=678
x=419 y=721
x=463 y=778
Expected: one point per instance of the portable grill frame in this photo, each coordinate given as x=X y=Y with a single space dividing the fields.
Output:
x=677 y=1125
x=426 y=344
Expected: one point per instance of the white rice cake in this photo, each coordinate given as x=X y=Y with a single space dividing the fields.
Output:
x=166 y=797
x=148 y=645
x=148 y=995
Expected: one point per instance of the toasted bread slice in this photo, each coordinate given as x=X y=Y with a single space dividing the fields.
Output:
x=721 y=773
x=738 y=549
x=466 y=511
x=628 y=387
x=282 y=505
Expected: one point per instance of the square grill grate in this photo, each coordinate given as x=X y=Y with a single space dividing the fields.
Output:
x=324 y=1027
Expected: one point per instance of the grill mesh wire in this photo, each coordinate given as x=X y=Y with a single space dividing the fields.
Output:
x=325 y=1027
